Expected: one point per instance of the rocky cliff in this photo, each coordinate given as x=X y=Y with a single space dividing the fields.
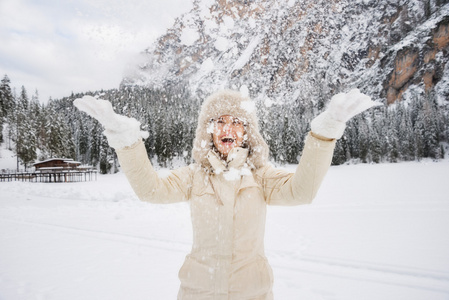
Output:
x=287 y=50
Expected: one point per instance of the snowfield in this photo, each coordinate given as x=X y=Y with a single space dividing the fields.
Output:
x=373 y=232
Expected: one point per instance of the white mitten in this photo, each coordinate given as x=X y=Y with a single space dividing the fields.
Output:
x=120 y=131
x=332 y=122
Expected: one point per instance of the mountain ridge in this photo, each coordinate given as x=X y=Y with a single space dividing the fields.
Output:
x=296 y=50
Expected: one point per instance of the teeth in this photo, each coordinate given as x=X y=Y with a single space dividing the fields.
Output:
x=227 y=140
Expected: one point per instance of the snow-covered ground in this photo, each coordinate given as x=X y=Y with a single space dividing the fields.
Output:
x=373 y=232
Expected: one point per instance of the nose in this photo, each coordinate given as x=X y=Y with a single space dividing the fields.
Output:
x=227 y=127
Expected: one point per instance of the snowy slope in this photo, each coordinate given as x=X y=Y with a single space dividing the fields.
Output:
x=374 y=232
x=8 y=159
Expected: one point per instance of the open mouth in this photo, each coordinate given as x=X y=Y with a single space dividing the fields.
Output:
x=227 y=140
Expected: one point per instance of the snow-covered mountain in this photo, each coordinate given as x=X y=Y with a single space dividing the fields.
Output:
x=287 y=50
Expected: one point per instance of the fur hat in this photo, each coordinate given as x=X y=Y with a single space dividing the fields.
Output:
x=233 y=103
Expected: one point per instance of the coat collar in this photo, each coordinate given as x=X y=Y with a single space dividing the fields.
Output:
x=236 y=160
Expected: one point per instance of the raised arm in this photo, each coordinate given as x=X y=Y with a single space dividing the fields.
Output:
x=145 y=181
x=125 y=137
x=301 y=187
x=286 y=188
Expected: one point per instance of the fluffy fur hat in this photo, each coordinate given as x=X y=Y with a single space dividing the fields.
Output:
x=233 y=103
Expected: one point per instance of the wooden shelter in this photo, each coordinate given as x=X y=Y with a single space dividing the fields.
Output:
x=53 y=163
x=62 y=170
x=54 y=170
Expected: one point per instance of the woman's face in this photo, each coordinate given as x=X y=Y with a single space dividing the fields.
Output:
x=227 y=134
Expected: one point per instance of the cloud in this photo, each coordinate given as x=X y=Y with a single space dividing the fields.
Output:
x=60 y=46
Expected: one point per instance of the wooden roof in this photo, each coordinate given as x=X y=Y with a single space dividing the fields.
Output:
x=57 y=163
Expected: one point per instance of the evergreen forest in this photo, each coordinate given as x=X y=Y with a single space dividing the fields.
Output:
x=405 y=131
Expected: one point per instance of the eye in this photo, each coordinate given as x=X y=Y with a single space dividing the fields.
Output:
x=237 y=122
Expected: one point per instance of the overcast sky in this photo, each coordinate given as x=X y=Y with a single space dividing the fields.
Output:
x=60 y=46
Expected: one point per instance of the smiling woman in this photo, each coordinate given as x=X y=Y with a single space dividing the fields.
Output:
x=228 y=187
x=228 y=133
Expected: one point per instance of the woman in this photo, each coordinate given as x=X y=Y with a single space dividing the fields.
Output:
x=228 y=186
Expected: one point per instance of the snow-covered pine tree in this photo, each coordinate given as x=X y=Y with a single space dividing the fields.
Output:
x=376 y=138
x=363 y=138
x=6 y=97
x=406 y=134
x=25 y=136
x=432 y=128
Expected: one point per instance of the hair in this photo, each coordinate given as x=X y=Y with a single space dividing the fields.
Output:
x=233 y=103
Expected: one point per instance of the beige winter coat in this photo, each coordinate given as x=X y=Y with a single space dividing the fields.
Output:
x=228 y=208
x=228 y=201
